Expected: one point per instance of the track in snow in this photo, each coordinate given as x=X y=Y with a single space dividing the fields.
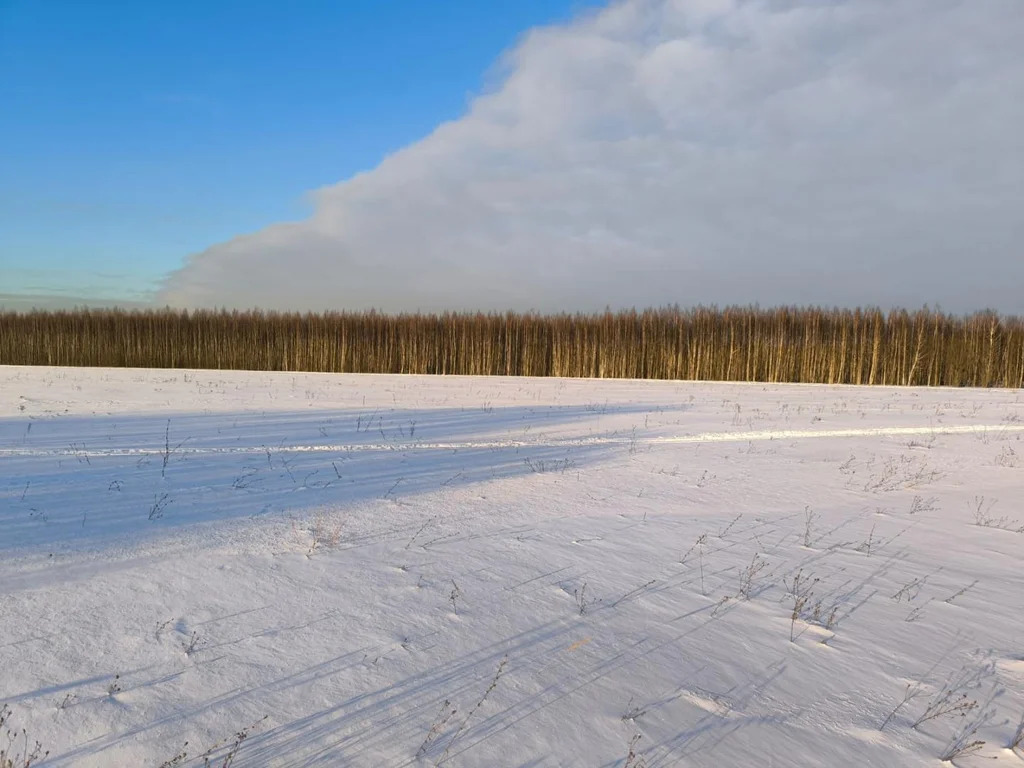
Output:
x=703 y=437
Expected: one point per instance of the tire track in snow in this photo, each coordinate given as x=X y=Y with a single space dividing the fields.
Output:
x=702 y=437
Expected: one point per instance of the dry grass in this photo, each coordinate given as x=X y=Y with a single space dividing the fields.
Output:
x=16 y=749
x=736 y=344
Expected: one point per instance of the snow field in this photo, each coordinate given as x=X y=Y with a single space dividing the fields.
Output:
x=407 y=571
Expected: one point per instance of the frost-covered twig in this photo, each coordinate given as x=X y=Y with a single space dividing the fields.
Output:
x=232 y=753
x=962 y=744
x=947 y=702
x=633 y=758
x=455 y=594
x=581 y=598
x=911 y=693
x=961 y=592
x=480 y=703
x=1017 y=742
x=444 y=714
x=168 y=450
x=808 y=526
x=15 y=751
x=749 y=574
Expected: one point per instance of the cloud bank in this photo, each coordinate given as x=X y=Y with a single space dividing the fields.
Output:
x=686 y=151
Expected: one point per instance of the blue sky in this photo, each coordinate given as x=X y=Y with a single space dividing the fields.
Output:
x=136 y=133
x=627 y=153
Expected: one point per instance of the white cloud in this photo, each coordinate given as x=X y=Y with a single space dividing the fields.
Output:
x=664 y=151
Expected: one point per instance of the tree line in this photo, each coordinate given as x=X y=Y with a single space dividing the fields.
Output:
x=785 y=344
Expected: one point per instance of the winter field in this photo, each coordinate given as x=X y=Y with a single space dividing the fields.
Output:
x=339 y=570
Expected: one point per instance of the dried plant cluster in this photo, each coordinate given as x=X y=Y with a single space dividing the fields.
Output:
x=737 y=344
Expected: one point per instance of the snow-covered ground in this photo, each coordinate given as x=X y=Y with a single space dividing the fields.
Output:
x=413 y=571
